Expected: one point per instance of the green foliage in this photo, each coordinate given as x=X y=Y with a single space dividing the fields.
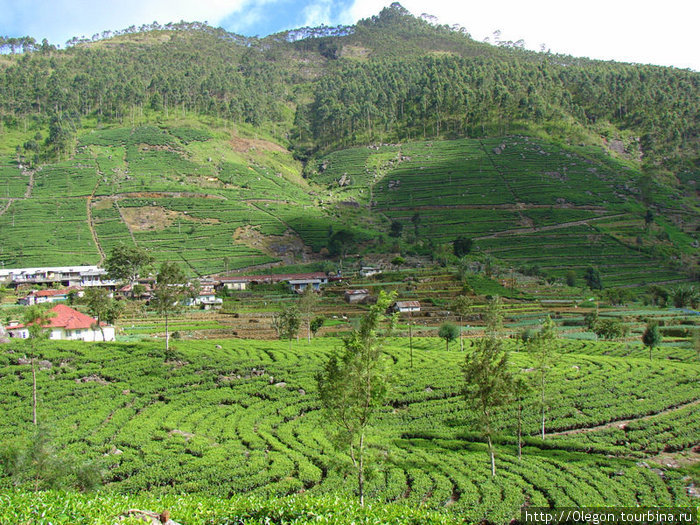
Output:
x=449 y=332
x=353 y=385
x=618 y=296
x=657 y=295
x=316 y=324
x=287 y=322
x=651 y=337
x=307 y=304
x=592 y=278
x=126 y=263
x=487 y=380
x=187 y=424
x=462 y=246
x=610 y=328
x=543 y=347
x=37 y=466
x=103 y=508
x=101 y=306
x=685 y=295
x=590 y=319
x=169 y=291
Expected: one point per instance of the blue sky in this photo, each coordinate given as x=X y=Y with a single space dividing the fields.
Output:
x=643 y=31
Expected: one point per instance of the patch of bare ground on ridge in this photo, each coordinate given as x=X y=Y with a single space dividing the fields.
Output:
x=288 y=247
x=150 y=218
x=244 y=145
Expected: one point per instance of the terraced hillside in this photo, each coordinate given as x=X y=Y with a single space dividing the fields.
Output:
x=213 y=199
x=525 y=201
x=220 y=199
x=231 y=417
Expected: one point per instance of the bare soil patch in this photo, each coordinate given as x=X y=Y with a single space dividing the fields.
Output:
x=154 y=218
x=244 y=145
x=289 y=247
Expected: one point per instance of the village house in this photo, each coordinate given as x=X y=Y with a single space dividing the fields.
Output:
x=67 y=324
x=369 y=271
x=297 y=281
x=57 y=276
x=206 y=298
x=355 y=296
x=406 y=307
x=48 y=296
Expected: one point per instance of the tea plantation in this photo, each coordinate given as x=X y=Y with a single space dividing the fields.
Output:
x=228 y=418
x=214 y=197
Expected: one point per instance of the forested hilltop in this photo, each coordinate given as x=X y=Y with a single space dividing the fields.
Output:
x=392 y=78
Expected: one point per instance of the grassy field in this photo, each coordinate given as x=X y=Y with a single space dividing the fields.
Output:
x=232 y=417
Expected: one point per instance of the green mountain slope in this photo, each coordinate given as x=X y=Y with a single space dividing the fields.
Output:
x=228 y=152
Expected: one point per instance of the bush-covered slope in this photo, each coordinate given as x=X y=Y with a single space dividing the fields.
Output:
x=243 y=417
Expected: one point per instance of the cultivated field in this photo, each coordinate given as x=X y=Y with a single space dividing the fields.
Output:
x=242 y=417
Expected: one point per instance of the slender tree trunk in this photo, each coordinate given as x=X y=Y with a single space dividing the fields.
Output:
x=410 y=340
x=461 y=341
x=308 y=329
x=520 y=430
x=543 y=406
x=493 y=456
x=361 y=471
x=33 y=393
x=167 y=335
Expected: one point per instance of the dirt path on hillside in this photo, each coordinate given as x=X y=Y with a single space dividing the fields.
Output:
x=622 y=422
x=91 y=223
x=166 y=195
x=126 y=224
x=30 y=186
x=515 y=231
x=27 y=192
x=6 y=207
x=521 y=206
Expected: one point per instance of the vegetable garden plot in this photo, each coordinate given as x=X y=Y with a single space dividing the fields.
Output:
x=245 y=418
x=576 y=248
x=447 y=224
x=201 y=231
x=443 y=173
x=109 y=226
x=13 y=184
x=541 y=173
x=39 y=229
x=76 y=178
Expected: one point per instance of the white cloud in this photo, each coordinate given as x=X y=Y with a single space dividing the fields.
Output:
x=641 y=31
x=317 y=13
x=60 y=19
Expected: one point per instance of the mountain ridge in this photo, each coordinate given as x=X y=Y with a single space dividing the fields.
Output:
x=193 y=110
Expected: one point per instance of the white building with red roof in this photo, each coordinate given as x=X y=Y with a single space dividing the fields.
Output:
x=68 y=324
x=49 y=296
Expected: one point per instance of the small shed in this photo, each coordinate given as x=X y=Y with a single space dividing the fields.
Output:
x=369 y=271
x=355 y=296
x=406 y=307
x=299 y=285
